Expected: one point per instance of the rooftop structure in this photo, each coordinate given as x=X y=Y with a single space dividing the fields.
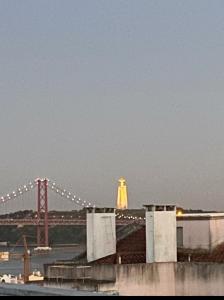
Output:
x=101 y=235
x=200 y=230
x=161 y=243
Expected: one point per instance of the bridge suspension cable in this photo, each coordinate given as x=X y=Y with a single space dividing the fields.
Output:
x=130 y=217
x=53 y=186
x=18 y=192
x=68 y=195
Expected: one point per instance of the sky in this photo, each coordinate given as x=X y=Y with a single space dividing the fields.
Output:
x=95 y=90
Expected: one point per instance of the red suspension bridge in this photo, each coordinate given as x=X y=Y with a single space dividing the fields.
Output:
x=42 y=219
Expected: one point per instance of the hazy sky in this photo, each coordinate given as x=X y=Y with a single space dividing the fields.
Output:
x=92 y=90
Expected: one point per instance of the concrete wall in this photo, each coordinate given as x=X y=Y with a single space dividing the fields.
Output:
x=158 y=279
x=104 y=272
x=196 y=233
x=199 y=279
x=164 y=279
x=101 y=235
x=60 y=272
x=145 y=279
x=216 y=232
x=177 y=279
x=161 y=244
x=204 y=234
x=64 y=273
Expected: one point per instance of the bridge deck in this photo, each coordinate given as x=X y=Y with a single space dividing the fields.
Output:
x=55 y=221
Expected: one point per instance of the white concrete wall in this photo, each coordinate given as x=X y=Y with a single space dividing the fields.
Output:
x=170 y=279
x=101 y=235
x=196 y=233
x=216 y=232
x=161 y=243
x=161 y=279
x=156 y=279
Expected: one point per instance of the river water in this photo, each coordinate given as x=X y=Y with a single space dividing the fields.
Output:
x=15 y=265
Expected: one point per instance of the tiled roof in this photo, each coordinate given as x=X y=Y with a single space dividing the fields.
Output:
x=131 y=249
x=216 y=255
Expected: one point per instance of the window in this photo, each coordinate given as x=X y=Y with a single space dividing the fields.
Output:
x=180 y=243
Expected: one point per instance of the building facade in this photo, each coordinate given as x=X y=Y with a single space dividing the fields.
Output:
x=200 y=231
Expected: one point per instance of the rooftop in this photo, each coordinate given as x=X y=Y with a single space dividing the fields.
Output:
x=199 y=255
x=200 y=216
x=131 y=248
x=161 y=207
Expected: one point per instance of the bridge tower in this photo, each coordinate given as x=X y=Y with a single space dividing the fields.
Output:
x=42 y=213
x=122 y=197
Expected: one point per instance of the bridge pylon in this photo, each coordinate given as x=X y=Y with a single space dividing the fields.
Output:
x=42 y=213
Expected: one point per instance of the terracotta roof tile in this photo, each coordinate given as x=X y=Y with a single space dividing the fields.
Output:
x=216 y=255
x=131 y=249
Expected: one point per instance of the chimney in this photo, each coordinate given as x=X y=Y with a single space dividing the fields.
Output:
x=161 y=242
x=101 y=233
